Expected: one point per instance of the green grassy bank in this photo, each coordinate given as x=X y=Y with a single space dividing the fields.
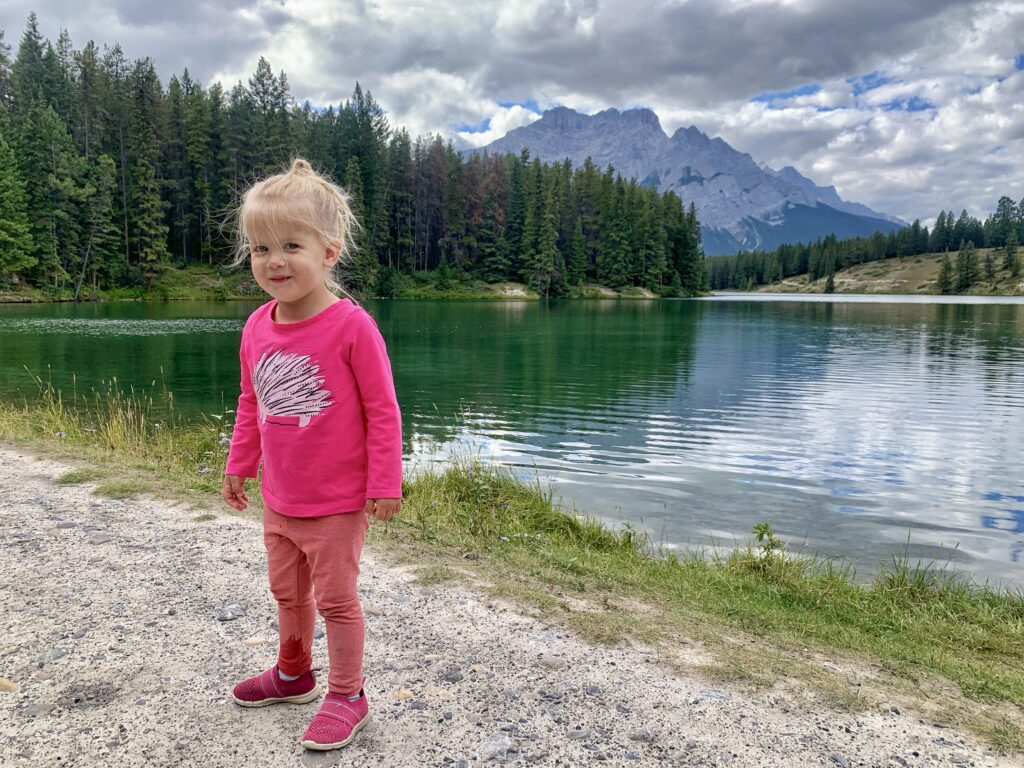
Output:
x=950 y=649
x=905 y=275
x=216 y=283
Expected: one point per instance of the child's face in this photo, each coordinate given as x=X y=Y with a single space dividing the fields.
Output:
x=292 y=264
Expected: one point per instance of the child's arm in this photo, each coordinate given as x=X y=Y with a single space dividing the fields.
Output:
x=244 y=453
x=372 y=370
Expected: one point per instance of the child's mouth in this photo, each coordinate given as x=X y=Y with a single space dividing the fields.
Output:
x=279 y=278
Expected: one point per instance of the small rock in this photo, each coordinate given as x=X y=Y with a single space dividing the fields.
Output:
x=318 y=633
x=400 y=599
x=79 y=633
x=710 y=693
x=8 y=686
x=453 y=675
x=579 y=734
x=8 y=650
x=171 y=611
x=841 y=760
x=500 y=747
x=373 y=610
x=51 y=655
x=641 y=734
x=594 y=690
x=67 y=524
x=99 y=538
x=959 y=759
x=402 y=693
x=895 y=710
x=43 y=674
x=230 y=612
x=416 y=704
x=252 y=642
x=552 y=662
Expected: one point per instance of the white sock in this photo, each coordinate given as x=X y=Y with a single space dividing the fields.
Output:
x=355 y=696
x=283 y=676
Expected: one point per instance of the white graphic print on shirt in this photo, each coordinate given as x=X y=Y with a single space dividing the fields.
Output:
x=286 y=384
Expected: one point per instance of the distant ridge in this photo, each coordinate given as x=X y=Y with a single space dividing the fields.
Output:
x=741 y=204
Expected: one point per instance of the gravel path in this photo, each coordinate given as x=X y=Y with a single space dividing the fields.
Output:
x=118 y=648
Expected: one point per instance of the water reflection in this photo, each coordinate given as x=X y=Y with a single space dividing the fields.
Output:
x=850 y=425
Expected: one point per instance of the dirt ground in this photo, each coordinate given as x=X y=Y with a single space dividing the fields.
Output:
x=119 y=649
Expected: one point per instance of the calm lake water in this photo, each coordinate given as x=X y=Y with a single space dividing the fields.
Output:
x=855 y=425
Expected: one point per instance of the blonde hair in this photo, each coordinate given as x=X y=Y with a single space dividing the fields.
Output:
x=301 y=196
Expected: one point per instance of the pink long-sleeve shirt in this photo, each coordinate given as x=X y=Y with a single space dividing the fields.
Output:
x=318 y=406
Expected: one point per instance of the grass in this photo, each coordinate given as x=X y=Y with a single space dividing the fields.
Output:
x=78 y=476
x=905 y=275
x=912 y=632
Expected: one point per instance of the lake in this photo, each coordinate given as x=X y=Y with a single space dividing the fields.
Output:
x=861 y=427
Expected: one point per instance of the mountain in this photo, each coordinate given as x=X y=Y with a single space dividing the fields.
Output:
x=741 y=204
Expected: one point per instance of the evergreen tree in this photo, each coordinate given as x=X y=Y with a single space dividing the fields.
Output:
x=577 y=270
x=147 y=230
x=1010 y=261
x=947 y=278
x=362 y=271
x=15 y=233
x=830 y=282
x=966 y=266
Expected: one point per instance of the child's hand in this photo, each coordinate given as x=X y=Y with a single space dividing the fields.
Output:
x=383 y=509
x=234 y=492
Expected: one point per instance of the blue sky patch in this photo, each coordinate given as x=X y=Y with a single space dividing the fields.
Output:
x=913 y=104
x=478 y=128
x=1019 y=63
x=529 y=104
x=869 y=82
x=772 y=96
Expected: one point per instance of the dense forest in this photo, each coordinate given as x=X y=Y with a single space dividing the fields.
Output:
x=1002 y=230
x=108 y=179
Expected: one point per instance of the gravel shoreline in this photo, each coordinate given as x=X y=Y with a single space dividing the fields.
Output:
x=125 y=623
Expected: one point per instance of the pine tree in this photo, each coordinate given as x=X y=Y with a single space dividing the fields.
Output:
x=147 y=230
x=6 y=85
x=577 y=270
x=362 y=271
x=1010 y=261
x=15 y=233
x=947 y=279
x=830 y=282
x=966 y=266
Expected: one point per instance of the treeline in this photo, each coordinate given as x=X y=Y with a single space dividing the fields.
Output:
x=108 y=179
x=1003 y=229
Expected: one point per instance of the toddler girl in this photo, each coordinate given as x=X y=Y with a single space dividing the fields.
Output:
x=318 y=407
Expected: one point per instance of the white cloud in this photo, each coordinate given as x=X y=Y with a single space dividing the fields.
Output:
x=439 y=66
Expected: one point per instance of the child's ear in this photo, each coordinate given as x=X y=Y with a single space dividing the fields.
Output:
x=333 y=252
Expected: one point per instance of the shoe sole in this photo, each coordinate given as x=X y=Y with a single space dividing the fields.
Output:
x=338 y=744
x=302 y=698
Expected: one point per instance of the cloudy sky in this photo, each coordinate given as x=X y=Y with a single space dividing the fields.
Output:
x=908 y=106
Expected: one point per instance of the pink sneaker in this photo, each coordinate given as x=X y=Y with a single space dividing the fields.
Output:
x=268 y=688
x=337 y=722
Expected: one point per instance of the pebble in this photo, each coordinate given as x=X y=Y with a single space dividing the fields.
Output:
x=402 y=694
x=8 y=686
x=79 y=633
x=373 y=610
x=841 y=760
x=416 y=704
x=641 y=734
x=252 y=642
x=51 y=655
x=230 y=612
x=43 y=674
x=499 y=747
x=579 y=734
x=594 y=690
x=318 y=633
x=67 y=524
x=99 y=538
x=453 y=675
x=710 y=693
x=552 y=662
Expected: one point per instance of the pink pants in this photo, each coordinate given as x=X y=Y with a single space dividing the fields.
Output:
x=318 y=557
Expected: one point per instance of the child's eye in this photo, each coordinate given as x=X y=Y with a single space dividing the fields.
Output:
x=258 y=248
x=290 y=246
